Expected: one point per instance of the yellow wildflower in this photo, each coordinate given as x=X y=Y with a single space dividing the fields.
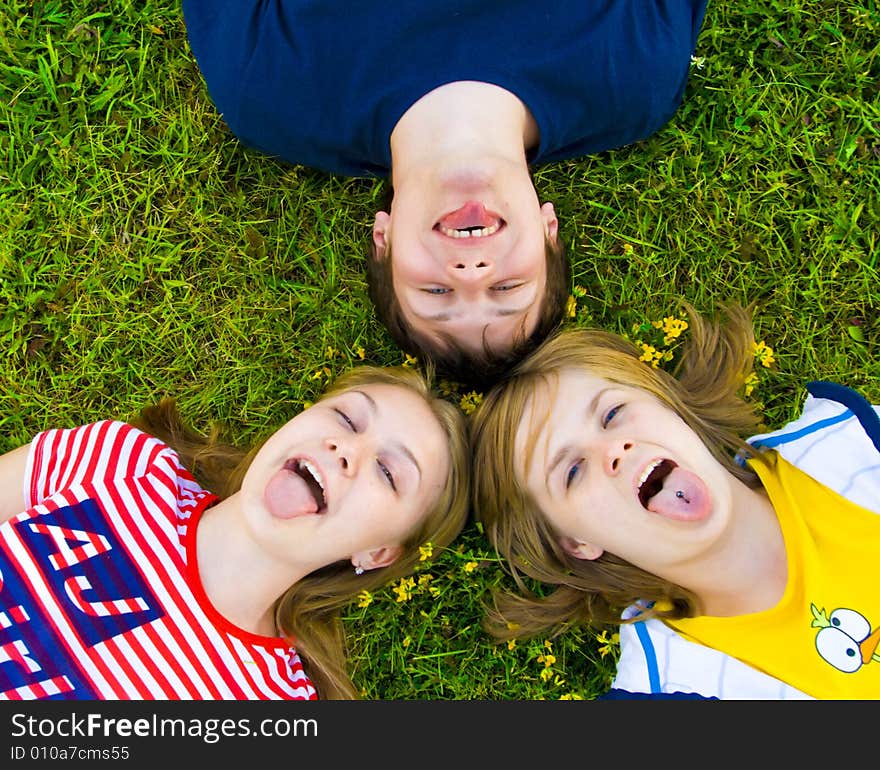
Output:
x=512 y=626
x=360 y=353
x=608 y=642
x=426 y=551
x=511 y=644
x=672 y=328
x=406 y=642
x=409 y=361
x=365 y=599
x=571 y=696
x=331 y=351
x=470 y=566
x=764 y=354
x=470 y=401
x=579 y=291
x=424 y=580
x=650 y=354
x=404 y=589
x=547 y=660
x=571 y=306
x=749 y=384
x=546 y=674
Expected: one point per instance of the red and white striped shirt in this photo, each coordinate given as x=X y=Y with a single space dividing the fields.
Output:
x=100 y=596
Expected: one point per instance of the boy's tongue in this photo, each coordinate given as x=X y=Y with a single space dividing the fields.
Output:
x=684 y=497
x=287 y=495
x=472 y=214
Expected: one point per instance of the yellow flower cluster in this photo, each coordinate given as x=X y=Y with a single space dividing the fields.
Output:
x=425 y=583
x=365 y=599
x=672 y=328
x=652 y=355
x=659 y=349
x=749 y=384
x=548 y=659
x=765 y=357
x=407 y=587
x=571 y=302
x=426 y=551
x=608 y=643
x=764 y=354
x=404 y=589
x=470 y=401
x=470 y=566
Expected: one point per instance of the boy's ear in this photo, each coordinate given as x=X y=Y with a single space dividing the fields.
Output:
x=580 y=549
x=551 y=223
x=381 y=228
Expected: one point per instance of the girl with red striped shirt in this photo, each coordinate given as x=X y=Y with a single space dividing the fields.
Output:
x=146 y=561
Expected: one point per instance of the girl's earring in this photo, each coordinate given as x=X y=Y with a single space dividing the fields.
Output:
x=358 y=570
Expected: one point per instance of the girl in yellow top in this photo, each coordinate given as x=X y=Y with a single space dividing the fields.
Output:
x=624 y=487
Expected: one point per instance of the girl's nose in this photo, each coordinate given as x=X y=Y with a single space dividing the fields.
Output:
x=614 y=454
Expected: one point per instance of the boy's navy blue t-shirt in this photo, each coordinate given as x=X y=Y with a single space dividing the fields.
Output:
x=323 y=83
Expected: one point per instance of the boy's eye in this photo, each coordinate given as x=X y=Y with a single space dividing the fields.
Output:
x=506 y=287
x=437 y=290
x=389 y=476
x=572 y=472
x=346 y=419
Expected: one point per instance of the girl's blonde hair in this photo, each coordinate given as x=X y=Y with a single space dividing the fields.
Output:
x=703 y=391
x=309 y=611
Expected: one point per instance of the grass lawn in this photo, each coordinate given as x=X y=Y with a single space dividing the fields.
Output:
x=144 y=252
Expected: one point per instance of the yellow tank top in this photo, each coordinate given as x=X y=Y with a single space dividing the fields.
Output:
x=824 y=635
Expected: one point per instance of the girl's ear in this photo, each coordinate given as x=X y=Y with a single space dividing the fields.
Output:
x=580 y=549
x=377 y=557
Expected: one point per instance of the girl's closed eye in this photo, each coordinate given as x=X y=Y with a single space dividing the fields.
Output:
x=388 y=475
x=611 y=414
x=346 y=419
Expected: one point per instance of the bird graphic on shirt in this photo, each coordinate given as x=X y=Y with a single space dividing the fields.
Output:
x=845 y=638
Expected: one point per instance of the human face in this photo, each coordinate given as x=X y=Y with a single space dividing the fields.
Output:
x=348 y=478
x=469 y=257
x=607 y=465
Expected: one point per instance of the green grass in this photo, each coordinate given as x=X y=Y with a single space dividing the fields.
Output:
x=144 y=252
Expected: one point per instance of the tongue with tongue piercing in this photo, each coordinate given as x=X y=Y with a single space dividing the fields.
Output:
x=472 y=214
x=684 y=497
x=288 y=495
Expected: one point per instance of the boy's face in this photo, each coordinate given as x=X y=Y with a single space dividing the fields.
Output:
x=469 y=263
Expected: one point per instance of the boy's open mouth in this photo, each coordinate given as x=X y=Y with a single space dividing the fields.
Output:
x=471 y=220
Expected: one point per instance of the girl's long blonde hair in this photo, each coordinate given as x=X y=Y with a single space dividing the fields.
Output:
x=309 y=611
x=703 y=390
